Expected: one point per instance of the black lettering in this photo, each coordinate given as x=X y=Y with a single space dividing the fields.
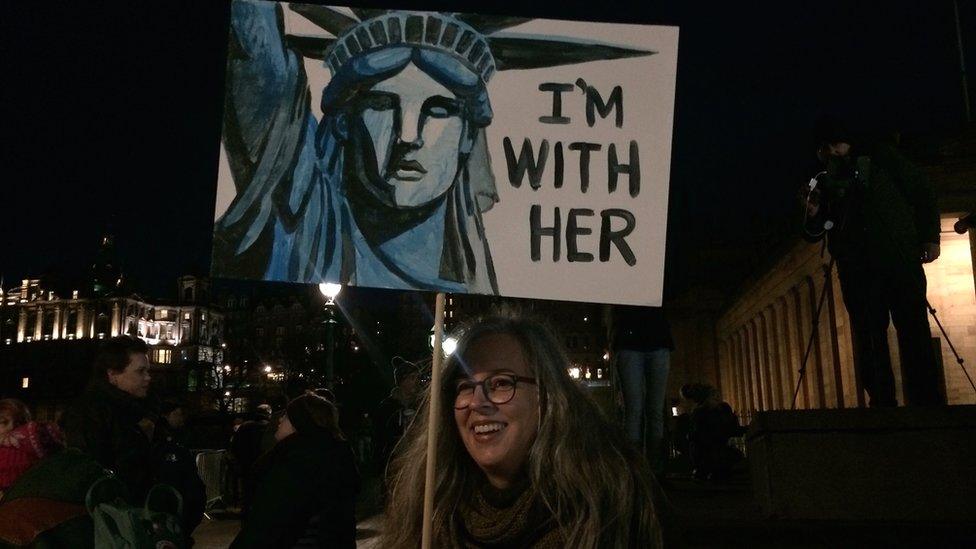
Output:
x=557 y=90
x=584 y=150
x=594 y=102
x=608 y=235
x=526 y=163
x=615 y=168
x=537 y=231
x=572 y=231
x=557 y=180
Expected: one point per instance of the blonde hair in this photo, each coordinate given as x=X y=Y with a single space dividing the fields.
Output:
x=594 y=484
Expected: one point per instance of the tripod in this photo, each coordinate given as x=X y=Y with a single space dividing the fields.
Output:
x=828 y=268
x=815 y=326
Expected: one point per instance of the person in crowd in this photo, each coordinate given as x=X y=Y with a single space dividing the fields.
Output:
x=711 y=426
x=306 y=485
x=879 y=215
x=642 y=344
x=176 y=466
x=395 y=412
x=524 y=457
x=42 y=487
x=278 y=404
x=23 y=442
x=112 y=420
x=245 y=448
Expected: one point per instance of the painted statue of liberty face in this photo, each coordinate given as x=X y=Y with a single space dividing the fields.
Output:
x=413 y=125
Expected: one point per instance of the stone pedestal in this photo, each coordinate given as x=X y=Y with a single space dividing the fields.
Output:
x=899 y=464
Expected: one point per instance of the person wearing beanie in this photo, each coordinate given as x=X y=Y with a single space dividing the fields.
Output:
x=306 y=485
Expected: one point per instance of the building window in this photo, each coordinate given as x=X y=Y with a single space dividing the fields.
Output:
x=74 y=294
x=186 y=316
x=164 y=314
x=162 y=356
x=25 y=383
x=259 y=332
x=280 y=331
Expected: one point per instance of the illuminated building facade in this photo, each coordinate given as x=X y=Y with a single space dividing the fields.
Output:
x=48 y=336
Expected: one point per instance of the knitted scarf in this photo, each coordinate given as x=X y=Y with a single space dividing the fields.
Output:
x=507 y=519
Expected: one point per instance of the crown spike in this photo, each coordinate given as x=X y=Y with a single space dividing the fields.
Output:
x=529 y=52
x=325 y=18
x=487 y=24
x=313 y=47
x=367 y=13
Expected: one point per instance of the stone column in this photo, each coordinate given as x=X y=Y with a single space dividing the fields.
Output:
x=116 y=318
x=56 y=329
x=21 y=324
x=39 y=323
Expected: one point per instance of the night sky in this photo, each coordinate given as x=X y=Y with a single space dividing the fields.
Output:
x=111 y=120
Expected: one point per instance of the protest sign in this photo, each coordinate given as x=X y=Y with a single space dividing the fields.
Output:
x=446 y=152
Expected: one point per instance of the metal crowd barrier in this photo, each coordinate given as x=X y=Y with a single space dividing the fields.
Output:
x=212 y=466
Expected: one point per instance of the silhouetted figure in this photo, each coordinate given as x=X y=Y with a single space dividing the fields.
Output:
x=641 y=340
x=176 y=466
x=711 y=426
x=395 y=412
x=879 y=215
x=306 y=485
x=245 y=449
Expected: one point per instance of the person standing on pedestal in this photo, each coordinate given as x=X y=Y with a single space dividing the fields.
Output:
x=641 y=340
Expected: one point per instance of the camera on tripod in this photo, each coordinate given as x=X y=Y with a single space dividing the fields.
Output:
x=841 y=177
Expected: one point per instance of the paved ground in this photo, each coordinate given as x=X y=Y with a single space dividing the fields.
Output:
x=709 y=515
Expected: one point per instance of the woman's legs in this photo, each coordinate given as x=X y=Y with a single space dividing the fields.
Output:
x=630 y=364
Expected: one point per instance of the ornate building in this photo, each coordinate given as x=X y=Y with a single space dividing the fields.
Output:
x=49 y=335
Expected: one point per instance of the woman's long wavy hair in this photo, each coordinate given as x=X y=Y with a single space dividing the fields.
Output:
x=596 y=486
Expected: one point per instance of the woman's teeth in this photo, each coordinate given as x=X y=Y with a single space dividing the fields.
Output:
x=487 y=428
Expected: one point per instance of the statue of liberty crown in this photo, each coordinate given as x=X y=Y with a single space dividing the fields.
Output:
x=431 y=30
x=471 y=38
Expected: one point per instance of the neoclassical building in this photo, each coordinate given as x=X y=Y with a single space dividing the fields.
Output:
x=48 y=336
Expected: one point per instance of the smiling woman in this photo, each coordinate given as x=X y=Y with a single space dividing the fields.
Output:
x=524 y=457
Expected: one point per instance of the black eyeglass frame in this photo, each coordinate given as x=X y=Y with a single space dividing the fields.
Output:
x=473 y=385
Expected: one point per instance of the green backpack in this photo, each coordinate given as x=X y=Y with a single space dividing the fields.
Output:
x=119 y=525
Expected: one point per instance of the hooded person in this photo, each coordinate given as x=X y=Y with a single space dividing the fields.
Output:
x=306 y=486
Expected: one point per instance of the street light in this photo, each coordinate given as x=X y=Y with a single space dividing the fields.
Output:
x=449 y=344
x=330 y=291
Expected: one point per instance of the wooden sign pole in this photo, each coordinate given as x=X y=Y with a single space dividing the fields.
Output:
x=433 y=421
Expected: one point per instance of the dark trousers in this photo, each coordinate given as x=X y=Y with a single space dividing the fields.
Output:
x=871 y=294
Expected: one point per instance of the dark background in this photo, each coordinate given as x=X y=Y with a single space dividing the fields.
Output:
x=111 y=120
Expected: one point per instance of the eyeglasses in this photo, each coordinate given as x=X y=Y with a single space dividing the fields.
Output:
x=497 y=388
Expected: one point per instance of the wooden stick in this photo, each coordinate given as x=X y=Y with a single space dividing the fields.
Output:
x=433 y=420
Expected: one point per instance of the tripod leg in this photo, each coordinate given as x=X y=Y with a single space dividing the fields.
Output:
x=813 y=330
x=952 y=347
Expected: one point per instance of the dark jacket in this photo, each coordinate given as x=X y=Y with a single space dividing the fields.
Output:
x=43 y=496
x=390 y=420
x=175 y=465
x=882 y=206
x=640 y=329
x=105 y=423
x=305 y=475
